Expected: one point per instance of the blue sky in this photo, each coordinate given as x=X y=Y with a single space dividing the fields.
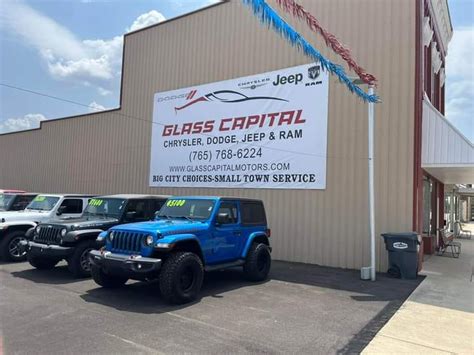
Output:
x=72 y=49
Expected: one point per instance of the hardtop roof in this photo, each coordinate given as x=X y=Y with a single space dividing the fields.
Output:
x=67 y=195
x=134 y=196
x=233 y=198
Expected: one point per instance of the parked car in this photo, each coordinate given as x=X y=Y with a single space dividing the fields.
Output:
x=72 y=240
x=43 y=208
x=10 y=191
x=189 y=236
x=15 y=201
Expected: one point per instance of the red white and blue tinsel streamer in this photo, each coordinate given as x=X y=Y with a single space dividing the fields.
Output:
x=292 y=7
x=269 y=16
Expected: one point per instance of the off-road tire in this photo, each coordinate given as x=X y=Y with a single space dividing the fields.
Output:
x=76 y=263
x=106 y=280
x=181 y=277
x=6 y=253
x=42 y=263
x=258 y=262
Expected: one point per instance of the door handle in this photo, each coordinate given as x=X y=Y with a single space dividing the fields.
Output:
x=237 y=233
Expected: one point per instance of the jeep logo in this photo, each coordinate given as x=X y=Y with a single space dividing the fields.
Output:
x=290 y=79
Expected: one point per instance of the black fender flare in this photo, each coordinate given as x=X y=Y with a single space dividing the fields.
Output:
x=12 y=226
x=30 y=232
x=80 y=235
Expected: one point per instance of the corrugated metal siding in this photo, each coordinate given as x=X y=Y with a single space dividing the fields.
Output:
x=109 y=153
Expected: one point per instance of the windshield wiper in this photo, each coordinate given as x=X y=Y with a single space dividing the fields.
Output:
x=164 y=216
x=186 y=217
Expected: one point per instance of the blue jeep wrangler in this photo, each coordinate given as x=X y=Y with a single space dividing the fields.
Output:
x=190 y=235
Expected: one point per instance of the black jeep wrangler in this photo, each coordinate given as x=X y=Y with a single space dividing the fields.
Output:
x=72 y=240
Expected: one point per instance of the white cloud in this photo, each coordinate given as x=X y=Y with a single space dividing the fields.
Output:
x=104 y=92
x=460 y=81
x=145 y=20
x=29 y=121
x=95 y=107
x=39 y=30
x=66 y=56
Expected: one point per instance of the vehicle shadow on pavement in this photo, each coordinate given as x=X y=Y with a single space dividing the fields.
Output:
x=57 y=276
x=145 y=297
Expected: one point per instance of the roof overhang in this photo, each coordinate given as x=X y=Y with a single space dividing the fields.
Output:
x=447 y=154
x=452 y=174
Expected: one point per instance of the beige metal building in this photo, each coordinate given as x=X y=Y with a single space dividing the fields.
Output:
x=109 y=152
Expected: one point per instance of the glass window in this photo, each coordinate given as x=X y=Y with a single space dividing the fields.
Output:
x=253 y=213
x=5 y=200
x=71 y=205
x=105 y=207
x=139 y=210
x=229 y=208
x=157 y=204
x=21 y=201
x=43 y=203
x=187 y=208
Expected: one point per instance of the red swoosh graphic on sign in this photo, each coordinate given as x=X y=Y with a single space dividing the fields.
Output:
x=202 y=98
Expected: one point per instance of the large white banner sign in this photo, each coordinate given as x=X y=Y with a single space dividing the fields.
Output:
x=261 y=131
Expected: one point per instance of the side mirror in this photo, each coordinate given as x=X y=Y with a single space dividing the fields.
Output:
x=130 y=215
x=61 y=210
x=222 y=218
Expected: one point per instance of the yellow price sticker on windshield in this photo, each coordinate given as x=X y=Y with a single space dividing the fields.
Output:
x=96 y=202
x=175 y=203
x=40 y=198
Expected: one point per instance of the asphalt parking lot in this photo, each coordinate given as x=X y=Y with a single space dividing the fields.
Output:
x=300 y=309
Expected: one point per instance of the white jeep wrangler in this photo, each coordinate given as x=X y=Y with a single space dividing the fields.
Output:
x=43 y=208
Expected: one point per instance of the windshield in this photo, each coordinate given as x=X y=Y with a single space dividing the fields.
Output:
x=105 y=207
x=43 y=203
x=5 y=200
x=186 y=208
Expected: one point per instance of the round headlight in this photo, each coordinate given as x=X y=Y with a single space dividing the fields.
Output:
x=149 y=240
x=63 y=232
x=38 y=228
x=111 y=236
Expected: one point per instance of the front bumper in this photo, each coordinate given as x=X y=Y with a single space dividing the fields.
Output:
x=45 y=250
x=133 y=266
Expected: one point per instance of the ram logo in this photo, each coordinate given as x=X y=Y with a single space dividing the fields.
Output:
x=313 y=72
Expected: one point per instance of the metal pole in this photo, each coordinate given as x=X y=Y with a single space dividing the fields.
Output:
x=451 y=213
x=371 y=186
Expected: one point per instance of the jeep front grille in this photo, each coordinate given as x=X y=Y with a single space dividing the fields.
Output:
x=127 y=242
x=49 y=235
